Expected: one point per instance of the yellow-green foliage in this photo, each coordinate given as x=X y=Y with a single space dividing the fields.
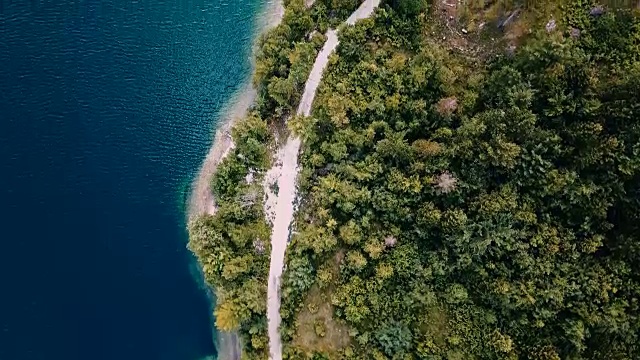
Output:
x=492 y=216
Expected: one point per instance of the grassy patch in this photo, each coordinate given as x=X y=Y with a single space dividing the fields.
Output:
x=317 y=329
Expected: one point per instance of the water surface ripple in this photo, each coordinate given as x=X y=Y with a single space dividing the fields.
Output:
x=106 y=111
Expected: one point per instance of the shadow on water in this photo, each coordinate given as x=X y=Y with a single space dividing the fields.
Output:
x=194 y=267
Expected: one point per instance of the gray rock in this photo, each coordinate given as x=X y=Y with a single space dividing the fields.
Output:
x=597 y=10
x=551 y=25
x=445 y=183
x=390 y=241
x=448 y=105
x=258 y=246
x=575 y=33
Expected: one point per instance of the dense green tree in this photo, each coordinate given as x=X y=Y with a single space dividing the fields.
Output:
x=487 y=216
x=450 y=208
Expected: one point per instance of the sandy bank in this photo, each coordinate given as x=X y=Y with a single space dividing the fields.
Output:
x=201 y=200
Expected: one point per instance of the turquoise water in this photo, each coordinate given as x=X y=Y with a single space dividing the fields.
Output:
x=106 y=112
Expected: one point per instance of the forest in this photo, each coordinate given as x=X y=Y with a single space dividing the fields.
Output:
x=470 y=196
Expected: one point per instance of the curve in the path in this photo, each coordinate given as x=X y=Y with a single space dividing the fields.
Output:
x=287 y=183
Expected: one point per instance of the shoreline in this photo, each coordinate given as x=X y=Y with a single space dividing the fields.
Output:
x=201 y=201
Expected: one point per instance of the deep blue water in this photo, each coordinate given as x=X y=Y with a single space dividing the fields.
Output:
x=106 y=111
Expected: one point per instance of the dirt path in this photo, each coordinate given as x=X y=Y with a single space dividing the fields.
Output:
x=287 y=184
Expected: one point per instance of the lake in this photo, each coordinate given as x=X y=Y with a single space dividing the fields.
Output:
x=107 y=109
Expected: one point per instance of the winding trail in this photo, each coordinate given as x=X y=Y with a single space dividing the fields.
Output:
x=287 y=183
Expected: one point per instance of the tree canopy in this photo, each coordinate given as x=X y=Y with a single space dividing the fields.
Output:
x=483 y=210
x=451 y=206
